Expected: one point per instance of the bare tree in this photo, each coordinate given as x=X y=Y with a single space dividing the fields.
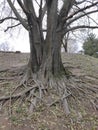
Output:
x=5 y=47
x=45 y=52
x=70 y=43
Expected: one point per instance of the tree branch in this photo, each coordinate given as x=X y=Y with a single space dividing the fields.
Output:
x=12 y=27
x=22 y=6
x=44 y=11
x=80 y=16
x=79 y=2
x=66 y=8
x=7 y=18
x=40 y=9
x=22 y=21
x=80 y=10
x=29 y=6
x=37 y=3
x=64 y=12
x=78 y=27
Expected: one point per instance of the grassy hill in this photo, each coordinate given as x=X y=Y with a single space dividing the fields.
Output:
x=83 y=103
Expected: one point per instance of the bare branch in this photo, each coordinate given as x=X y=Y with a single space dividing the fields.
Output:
x=40 y=9
x=22 y=6
x=22 y=21
x=44 y=11
x=79 y=2
x=92 y=20
x=80 y=10
x=81 y=26
x=37 y=3
x=80 y=16
x=90 y=12
x=7 y=18
x=12 y=27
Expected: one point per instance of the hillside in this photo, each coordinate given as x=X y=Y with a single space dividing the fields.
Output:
x=84 y=111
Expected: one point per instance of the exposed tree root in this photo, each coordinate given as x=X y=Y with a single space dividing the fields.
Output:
x=6 y=78
x=3 y=70
x=55 y=90
x=17 y=95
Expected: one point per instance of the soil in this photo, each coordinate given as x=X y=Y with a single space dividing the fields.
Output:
x=84 y=115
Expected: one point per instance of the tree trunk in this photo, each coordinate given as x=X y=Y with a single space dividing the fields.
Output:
x=51 y=62
x=35 y=49
x=35 y=37
x=46 y=59
x=65 y=46
x=57 y=66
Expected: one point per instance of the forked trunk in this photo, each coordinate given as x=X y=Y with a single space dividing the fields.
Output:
x=50 y=61
x=47 y=58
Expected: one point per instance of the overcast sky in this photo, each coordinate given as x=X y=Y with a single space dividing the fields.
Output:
x=17 y=39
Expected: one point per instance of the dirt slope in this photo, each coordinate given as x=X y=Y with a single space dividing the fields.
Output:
x=83 y=68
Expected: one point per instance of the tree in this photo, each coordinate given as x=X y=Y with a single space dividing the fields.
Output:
x=5 y=47
x=45 y=62
x=70 y=43
x=90 y=45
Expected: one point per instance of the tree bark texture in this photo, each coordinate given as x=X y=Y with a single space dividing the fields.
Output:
x=45 y=55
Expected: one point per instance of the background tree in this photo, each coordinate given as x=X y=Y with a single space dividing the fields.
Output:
x=70 y=43
x=45 y=63
x=5 y=47
x=90 y=45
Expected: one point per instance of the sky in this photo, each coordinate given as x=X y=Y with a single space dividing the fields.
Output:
x=18 y=40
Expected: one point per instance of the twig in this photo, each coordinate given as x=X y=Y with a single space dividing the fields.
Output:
x=12 y=27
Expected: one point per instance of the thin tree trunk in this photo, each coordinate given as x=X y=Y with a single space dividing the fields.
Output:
x=65 y=46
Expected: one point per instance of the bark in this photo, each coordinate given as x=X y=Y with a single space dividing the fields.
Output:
x=57 y=66
x=35 y=36
x=45 y=55
x=52 y=62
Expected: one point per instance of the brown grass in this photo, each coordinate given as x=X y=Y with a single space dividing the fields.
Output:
x=84 y=115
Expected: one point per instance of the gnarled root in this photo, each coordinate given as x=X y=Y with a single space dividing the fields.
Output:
x=54 y=91
x=36 y=91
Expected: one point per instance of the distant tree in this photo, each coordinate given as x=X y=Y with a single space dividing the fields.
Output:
x=5 y=47
x=69 y=43
x=90 y=45
x=72 y=46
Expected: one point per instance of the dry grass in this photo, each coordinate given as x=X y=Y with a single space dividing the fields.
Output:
x=84 y=115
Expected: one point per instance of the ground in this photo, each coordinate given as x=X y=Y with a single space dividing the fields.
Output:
x=84 y=114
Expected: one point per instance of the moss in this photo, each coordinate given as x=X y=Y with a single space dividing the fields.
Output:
x=63 y=72
x=68 y=73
